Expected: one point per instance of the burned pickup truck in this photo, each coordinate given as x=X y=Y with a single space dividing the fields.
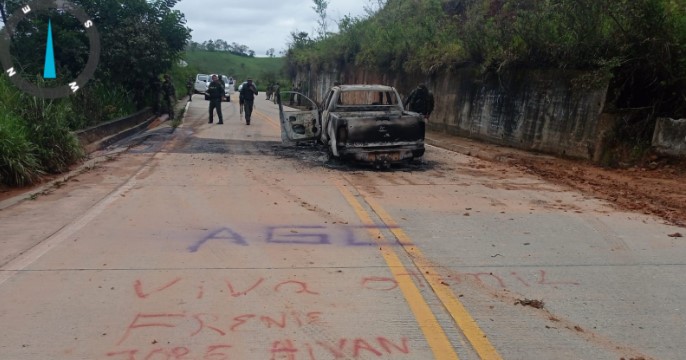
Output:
x=362 y=122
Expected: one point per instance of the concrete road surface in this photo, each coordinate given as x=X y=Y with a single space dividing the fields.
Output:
x=215 y=242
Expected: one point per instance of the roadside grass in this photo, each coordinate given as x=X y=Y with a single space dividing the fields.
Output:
x=180 y=76
x=98 y=102
x=19 y=163
x=48 y=124
x=35 y=137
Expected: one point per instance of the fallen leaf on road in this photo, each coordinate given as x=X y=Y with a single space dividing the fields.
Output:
x=675 y=235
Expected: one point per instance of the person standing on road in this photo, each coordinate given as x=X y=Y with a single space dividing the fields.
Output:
x=215 y=91
x=269 y=92
x=248 y=92
x=275 y=91
x=421 y=100
x=189 y=88
x=169 y=95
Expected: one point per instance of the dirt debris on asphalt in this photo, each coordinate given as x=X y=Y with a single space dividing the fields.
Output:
x=536 y=304
x=660 y=192
x=655 y=186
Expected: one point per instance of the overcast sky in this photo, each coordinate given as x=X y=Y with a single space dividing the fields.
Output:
x=261 y=24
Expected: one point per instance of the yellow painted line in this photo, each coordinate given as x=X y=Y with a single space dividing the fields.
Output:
x=433 y=332
x=266 y=117
x=459 y=313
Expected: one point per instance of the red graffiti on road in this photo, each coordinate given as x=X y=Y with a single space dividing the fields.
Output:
x=341 y=349
x=286 y=349
x=212 y=352
x=287 y=286
x=242 y=288
x=138 y=288
x=197 y=324
x=488 y=278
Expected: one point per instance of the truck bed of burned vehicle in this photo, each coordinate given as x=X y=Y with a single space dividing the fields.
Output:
x=377 y=133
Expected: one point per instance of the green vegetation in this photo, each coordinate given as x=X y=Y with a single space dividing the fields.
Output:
x=140 y=41
x=180 y=76
x=639 y=44
x=264 y=70
x=638 y=47
x=35 y=137
x=18 y=157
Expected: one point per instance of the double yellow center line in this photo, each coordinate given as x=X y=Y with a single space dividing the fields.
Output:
x=433 y=332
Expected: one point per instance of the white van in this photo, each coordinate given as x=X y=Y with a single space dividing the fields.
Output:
x=201 y=82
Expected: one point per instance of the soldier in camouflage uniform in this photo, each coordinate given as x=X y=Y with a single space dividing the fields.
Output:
x=189 y=88
x=168 y=95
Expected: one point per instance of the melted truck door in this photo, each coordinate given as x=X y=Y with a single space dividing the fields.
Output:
x=301 y=121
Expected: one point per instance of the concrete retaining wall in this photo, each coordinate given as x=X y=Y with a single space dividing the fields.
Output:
x=532 y=110
x=670 y=137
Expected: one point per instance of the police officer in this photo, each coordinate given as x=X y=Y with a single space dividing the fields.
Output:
x=215 y=91
x=248 y=92
x=169 y=95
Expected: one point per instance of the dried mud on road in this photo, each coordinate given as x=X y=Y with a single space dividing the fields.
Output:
x=657 y=189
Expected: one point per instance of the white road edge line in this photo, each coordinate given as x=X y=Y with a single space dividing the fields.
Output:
x=24 y=260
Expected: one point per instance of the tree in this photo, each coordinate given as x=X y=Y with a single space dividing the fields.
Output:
x=140 y=39
x=270 y=52
x=300 y=40
x=221 y=45
x=320 y=7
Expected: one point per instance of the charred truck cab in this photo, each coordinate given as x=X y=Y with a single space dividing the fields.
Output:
x=362 y=122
